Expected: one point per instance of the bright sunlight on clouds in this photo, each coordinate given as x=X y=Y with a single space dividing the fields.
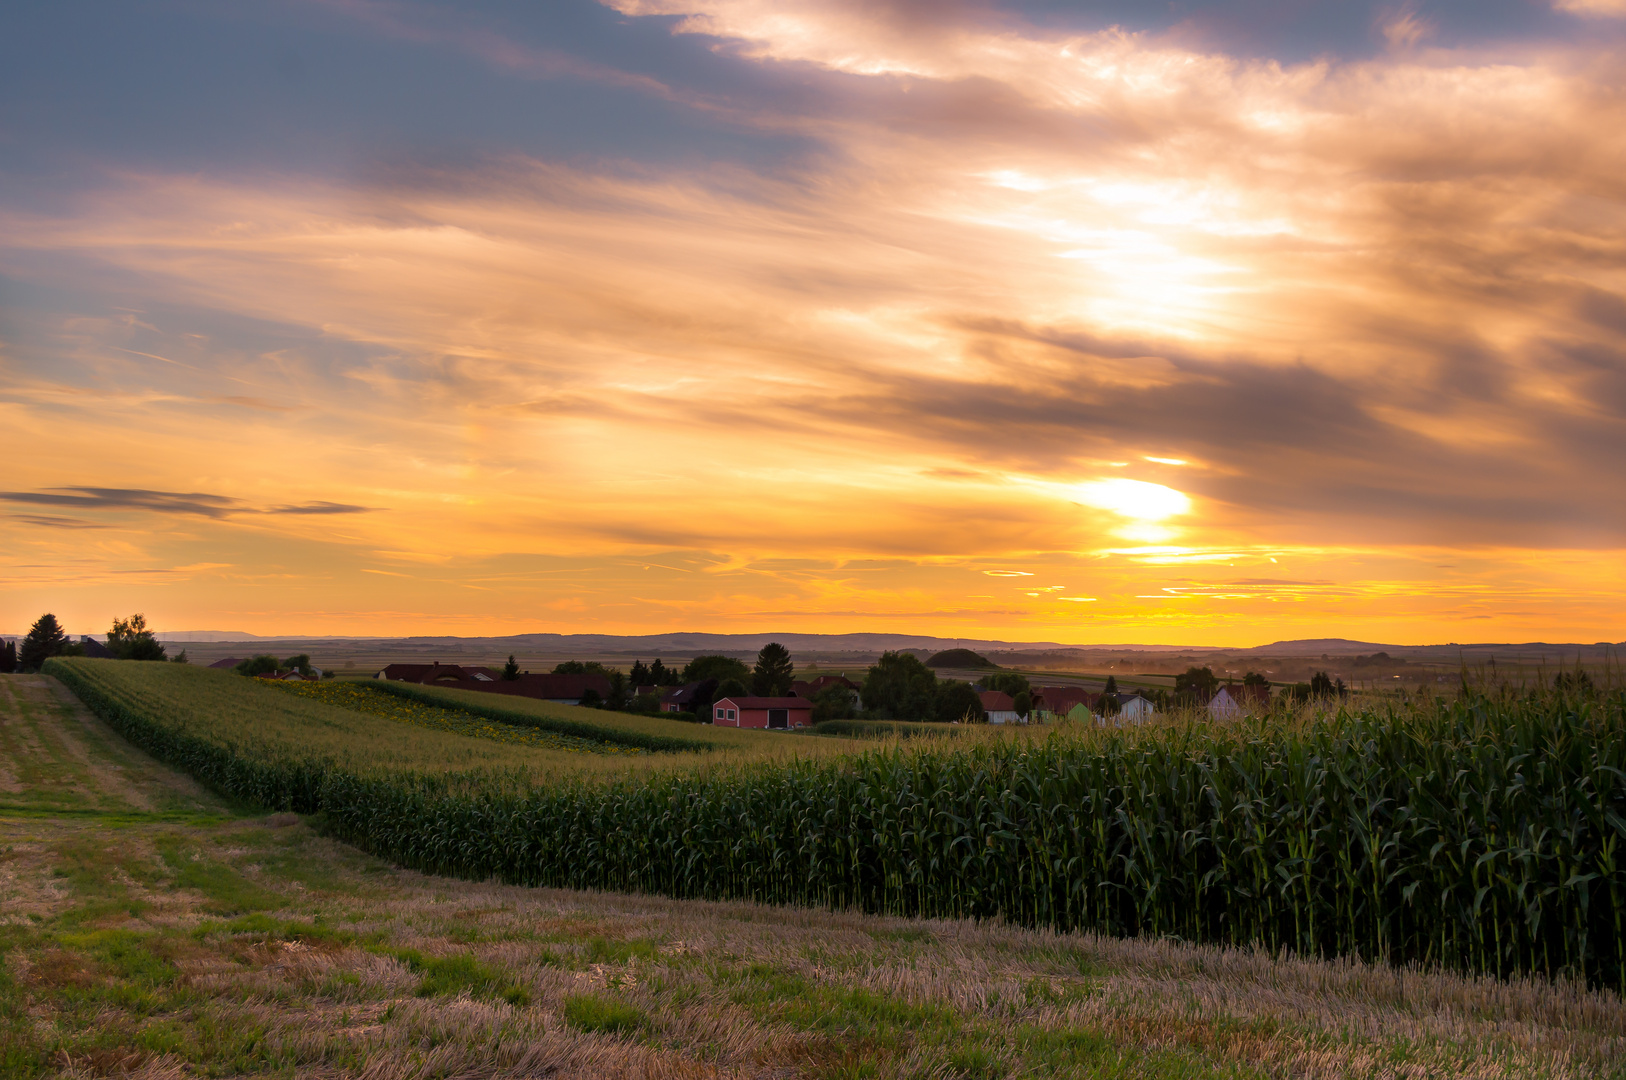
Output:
x=741 y=315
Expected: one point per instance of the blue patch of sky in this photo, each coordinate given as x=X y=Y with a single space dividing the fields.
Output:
x=297 y=88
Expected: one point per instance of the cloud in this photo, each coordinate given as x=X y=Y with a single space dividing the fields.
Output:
x=162 y=502
x=1376 y=306
x=47 y=521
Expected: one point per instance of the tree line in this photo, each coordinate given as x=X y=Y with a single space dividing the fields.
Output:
x=127 y=639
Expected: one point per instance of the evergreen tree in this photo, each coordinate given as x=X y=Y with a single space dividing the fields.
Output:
x=8 y=657
x=659 y=675
x=44 y=640
x=639 y=675
x=1321 y=686
x=774 y=671
x=1024 y=703
x=180 y=658
x=1112 y=685
x=510 y=670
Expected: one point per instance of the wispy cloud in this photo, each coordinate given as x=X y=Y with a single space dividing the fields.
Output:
x=163 y=502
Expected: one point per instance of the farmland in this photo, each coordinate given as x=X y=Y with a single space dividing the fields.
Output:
x=152 y=928
x=1478 y=834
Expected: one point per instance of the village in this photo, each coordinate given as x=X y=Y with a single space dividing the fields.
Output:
x=720 y=690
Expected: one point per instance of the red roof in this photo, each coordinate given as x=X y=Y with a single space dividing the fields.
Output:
x=229 y=662
x=1062 y=699
x=997 y=701
x=767 y=702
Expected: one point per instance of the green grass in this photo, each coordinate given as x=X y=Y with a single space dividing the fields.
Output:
x=595 y=1013
x=460 y=973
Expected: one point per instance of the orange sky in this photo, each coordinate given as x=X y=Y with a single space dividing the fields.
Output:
x=1088 y=337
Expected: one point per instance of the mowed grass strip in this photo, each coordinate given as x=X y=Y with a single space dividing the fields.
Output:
x=373 y=700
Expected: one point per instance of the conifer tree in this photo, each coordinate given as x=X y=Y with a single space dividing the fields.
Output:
x=45 y=639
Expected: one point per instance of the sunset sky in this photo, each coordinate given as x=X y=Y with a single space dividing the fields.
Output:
x=1044 y=321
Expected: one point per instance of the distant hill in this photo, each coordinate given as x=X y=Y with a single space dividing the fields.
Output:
x=960 y=658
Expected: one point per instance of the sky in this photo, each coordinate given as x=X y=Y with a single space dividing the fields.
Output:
x=1210 y=323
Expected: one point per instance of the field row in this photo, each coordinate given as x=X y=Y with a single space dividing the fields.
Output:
x=1481 y=834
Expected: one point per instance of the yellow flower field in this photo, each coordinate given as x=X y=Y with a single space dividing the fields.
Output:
x=365 y=699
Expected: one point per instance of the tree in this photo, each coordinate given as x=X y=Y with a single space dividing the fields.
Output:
x=1321 y=686
x=180 y=657
x=661 y=675
x=264 y=664
x=618 y=690
x=715 y=667
x=774 y=671
x=1107 y=705
x=834 y=702
x=732 y=687
x=1011 y=682
x=590 y=699
x=129 y=639
x=44 y=640
x=510 y=670
x=1196 y=686
x=300 y=663
x=900 y=687
x=957 y=702
x=639 y=675
x=1024 y=703
x=8 y=657
x=1253 y=678
x=580 y=667
x=1112 y=685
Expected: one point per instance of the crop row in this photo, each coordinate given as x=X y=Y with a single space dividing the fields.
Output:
x=370 y=698
x=1482 y=834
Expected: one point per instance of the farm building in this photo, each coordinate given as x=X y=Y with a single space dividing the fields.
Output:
x=762 y=712
x=94 y=648
x=1050 y=702
x=1133 y=708
x=228 y=663
x=687 y=697
x=1000 y=707
x=1232 y=700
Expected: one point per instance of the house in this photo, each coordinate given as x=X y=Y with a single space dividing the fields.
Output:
x=288 y=676
x=1000 y=707
x=685 y=698
x=1231 y=701
x=228 y=663
x=762 y=712
x=1133 y=708
x=95 y=648
x=1050 y=702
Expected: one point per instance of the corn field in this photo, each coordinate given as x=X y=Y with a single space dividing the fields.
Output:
x=1482 y=833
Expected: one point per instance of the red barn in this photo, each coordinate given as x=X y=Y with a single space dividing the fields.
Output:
x=762 y=712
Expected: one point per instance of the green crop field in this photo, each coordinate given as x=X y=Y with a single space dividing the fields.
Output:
x=1480 y=834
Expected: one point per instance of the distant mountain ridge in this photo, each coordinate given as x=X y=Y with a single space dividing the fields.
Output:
x=696 y=642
